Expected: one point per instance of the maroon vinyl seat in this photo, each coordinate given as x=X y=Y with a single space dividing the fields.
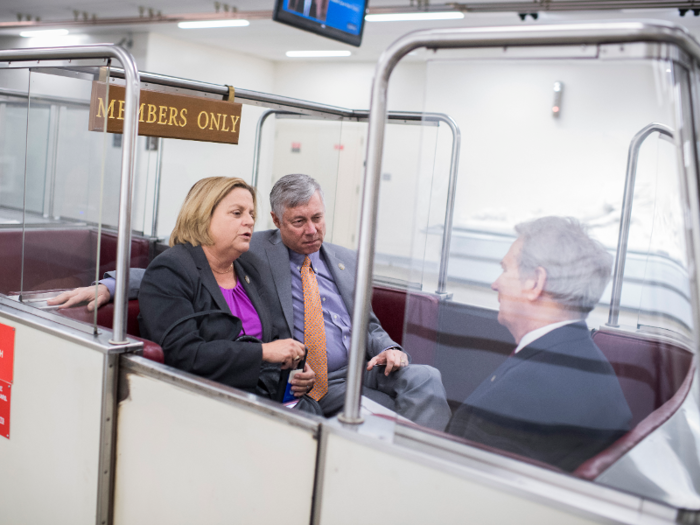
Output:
x=410 y=319
x=655 y=377
x=389 y=305
x=105 y=318
x=60 y=258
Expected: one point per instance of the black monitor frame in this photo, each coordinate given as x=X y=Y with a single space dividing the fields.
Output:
x=279 y=14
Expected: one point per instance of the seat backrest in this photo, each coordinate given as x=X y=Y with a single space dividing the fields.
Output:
x=415 y=312
x=389 y=305
x=655 y=377
x=60 y=258
x=650 y=371
x=105 y=318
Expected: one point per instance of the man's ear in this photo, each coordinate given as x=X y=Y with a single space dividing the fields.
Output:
x=535 y=284
x=275 y=219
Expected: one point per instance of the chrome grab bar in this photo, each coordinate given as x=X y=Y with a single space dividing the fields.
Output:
x=361 y=115
x=626 y=215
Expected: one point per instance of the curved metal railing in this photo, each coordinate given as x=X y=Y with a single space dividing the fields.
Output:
x=626 y=215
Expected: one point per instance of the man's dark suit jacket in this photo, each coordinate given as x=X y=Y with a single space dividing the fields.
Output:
x=557 y=401
x=179 y=283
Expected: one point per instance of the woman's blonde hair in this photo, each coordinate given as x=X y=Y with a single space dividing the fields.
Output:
x=193 y=221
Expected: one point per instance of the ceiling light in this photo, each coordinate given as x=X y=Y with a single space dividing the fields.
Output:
x=414 y=17
x=317 y=54
x=206 y=24
x=44 y=33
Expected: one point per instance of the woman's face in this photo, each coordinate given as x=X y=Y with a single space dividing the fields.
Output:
x=232 y=223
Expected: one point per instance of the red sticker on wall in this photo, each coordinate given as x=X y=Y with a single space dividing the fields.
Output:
x=7 y=352
x=5 y=396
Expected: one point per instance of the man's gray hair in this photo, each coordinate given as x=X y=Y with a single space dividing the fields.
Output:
x=293 y=190
x=578 y=267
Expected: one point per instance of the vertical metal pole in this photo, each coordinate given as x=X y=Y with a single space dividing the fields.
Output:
x=108 y=427
x=50 y=190
x=131 y=103
x=156 y=189
x=626 y=215
x=449 y=211
x=368 y=227
x=256 y=151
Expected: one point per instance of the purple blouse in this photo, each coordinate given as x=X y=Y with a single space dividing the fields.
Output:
x=241 y=307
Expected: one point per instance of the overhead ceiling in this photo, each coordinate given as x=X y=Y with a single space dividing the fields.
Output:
x=270 y=40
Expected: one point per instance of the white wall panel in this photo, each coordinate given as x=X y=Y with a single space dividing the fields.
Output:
x=50 y=463
x=365 y=484
x=186 y=458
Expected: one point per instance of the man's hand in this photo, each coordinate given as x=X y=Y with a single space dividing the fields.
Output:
x=303 y=382
x=392 y=358
x=80 y=296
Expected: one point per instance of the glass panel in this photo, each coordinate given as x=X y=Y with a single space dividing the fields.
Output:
x=530 y=367
x=57 y=195
x=411 y=183
x=14 y=87
x=315 y=148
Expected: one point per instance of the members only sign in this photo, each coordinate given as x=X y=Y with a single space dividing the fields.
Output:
x=167 y=115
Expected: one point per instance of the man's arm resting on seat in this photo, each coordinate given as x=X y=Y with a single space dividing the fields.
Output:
x=105 y=291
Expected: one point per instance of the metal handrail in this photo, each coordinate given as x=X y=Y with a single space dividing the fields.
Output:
x=282 y=105
x=131 y=99
x=255 y=97
x=626 y=215
x=405 y=116
x=467 y=37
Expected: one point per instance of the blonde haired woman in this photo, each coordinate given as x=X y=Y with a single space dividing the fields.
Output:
x=197 y=300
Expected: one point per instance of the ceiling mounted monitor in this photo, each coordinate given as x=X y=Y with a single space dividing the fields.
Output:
x=341 y=20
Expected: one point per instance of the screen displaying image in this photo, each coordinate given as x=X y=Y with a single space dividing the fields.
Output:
x=338 y=19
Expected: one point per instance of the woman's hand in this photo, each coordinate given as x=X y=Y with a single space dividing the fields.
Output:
x=302 y=382
x=288 y=352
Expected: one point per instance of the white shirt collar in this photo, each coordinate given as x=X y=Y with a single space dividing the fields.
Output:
x=539 y=332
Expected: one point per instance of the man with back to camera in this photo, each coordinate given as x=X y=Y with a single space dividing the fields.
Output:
x=556 y=399
x=290 y=260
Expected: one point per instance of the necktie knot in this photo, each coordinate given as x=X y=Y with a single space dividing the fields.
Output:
x=307 y=262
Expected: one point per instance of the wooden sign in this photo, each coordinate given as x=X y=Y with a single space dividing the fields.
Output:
x=167 y=115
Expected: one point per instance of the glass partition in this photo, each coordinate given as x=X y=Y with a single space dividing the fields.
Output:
x=531 y=367
x=60 y=183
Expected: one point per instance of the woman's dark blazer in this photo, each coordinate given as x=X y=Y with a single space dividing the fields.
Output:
x=179 y=283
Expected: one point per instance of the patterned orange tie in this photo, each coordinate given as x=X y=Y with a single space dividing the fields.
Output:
x=314 y=331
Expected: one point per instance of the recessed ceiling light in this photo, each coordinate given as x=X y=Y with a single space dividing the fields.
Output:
x=414 y=17
x=43 y=33
x=206 y=24
x=317 y=54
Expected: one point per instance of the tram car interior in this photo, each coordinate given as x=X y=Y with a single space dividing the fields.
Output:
x=487 y=152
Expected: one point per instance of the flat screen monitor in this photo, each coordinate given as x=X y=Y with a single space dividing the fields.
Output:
x=341 y=20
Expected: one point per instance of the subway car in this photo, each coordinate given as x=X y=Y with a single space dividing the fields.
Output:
x=594 y=125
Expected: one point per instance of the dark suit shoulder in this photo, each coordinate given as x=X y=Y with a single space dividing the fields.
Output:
x=178 y=258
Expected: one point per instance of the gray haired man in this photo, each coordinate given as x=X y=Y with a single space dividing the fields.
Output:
x=556 y=399
x=281 y=255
